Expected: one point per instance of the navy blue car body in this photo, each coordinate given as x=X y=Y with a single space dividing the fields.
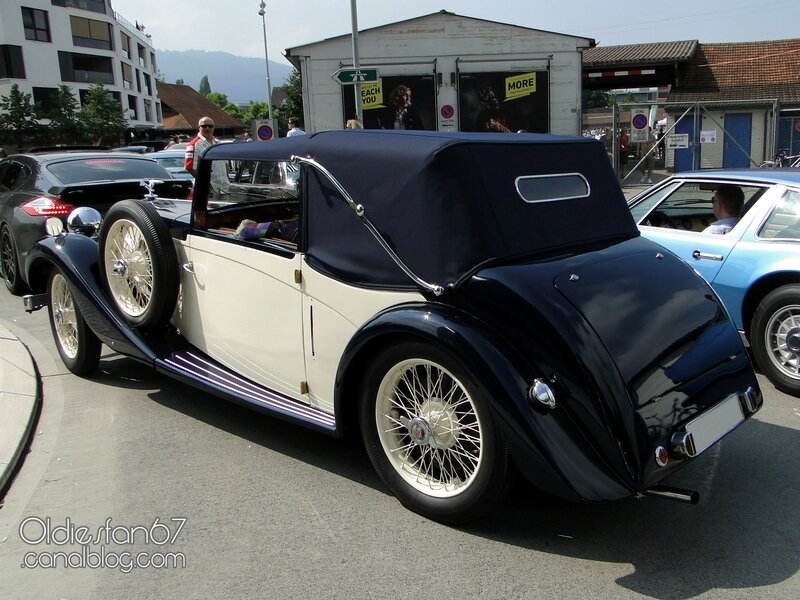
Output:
x=458 y=300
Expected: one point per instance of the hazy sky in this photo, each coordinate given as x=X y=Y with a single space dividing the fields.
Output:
x=234 y=25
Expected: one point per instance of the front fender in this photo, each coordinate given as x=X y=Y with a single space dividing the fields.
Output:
x=76 y=256
x=546 y=445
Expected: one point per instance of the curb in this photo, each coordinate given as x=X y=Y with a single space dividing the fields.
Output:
x=20 y=398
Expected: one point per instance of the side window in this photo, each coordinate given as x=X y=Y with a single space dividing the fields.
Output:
x=13 y=177
x=259 y=201
x=688 y=207
x=784 y=221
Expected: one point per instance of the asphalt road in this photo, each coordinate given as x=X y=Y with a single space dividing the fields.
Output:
x=220 y=502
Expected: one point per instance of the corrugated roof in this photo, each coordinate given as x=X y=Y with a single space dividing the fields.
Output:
x=183 y=107
x=640 y=55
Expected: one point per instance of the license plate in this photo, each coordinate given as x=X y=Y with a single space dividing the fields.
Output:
x=715 y=422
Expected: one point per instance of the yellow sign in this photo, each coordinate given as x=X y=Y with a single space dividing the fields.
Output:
x=519 y=86
x=372 y=95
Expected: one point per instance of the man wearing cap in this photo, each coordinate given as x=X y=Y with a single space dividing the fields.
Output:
x=195 y=150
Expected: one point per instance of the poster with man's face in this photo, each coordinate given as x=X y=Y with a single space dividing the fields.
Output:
x=504 y=102
x=394 y=102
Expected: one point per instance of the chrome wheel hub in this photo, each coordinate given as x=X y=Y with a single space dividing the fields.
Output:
x=783 y=340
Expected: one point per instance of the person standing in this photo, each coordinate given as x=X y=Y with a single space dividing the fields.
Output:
x=294 y=127
x=195 y=149
x=624 y=148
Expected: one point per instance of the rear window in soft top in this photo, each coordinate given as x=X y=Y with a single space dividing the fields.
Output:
x=106 y=168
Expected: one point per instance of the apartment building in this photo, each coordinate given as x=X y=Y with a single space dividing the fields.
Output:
x=44 y=43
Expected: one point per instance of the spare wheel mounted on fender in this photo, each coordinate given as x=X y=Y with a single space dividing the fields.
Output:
x=138 y=264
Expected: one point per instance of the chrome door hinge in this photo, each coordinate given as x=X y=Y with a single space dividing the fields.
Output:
x=298 y=276
x=304 y=387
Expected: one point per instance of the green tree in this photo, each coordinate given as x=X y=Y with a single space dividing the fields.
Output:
x=217 y=98
x=65 y=116
x=595 y=99
x=101 y=117
x=234 y=111
x=256 y=110
x=18 y=116
x=294 y=95
x=179 y=81
x=205 y=87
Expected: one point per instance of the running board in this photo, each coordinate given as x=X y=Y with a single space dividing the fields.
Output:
x=203 y=372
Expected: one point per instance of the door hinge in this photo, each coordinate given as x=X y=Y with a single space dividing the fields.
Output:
x=298 y=276
x=304 y=387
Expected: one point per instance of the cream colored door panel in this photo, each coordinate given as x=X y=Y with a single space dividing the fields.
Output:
x=334 y=312
x=241 y=306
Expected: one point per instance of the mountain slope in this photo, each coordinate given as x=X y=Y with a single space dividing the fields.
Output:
x=240 y=78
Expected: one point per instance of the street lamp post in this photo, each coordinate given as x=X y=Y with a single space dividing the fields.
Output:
x=263 y=13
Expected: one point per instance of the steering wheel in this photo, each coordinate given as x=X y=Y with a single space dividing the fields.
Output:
x=657 y=219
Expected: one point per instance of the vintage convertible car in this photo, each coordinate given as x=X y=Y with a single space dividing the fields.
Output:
x=460 y=301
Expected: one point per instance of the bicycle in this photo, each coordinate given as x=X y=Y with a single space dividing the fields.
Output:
x=782 y=159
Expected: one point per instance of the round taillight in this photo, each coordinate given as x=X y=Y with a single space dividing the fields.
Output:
x=662 y=456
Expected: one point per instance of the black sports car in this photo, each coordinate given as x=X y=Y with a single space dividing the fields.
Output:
x=36 y=186
x=460 y=301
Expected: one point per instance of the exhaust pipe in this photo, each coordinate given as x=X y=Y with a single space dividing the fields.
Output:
x=671 y=493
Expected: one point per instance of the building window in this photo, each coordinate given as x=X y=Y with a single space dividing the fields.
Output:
x=125 y=44
x=36 y=24
x=142 y=56
x=11 y=65
x=98 y=6
x=133 y=113
x=127 y=76
x=138 y=82
x=46 y=99
x=147 y=84
x=159 y=118
x=90 y=33
x=85 y=68
x=148 y=111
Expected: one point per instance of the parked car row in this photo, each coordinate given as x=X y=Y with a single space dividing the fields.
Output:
x=460 y=301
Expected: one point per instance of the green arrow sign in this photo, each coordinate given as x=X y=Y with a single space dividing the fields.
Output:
x=362 y=75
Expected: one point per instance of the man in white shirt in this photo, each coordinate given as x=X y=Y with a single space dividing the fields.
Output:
x=727 y=205
x=294 y=127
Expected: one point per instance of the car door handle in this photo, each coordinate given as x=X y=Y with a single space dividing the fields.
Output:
x=697 y=255
x=188 y=267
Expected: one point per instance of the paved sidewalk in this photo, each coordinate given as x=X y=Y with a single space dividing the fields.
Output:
x=19 y=400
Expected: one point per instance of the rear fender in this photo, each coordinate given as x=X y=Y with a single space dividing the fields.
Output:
x=545 y=445
x=76 y=256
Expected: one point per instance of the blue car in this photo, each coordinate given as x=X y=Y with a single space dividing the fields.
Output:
x=755 y=267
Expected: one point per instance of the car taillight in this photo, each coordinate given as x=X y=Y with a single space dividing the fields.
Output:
x=189 y=191
x=47 y=207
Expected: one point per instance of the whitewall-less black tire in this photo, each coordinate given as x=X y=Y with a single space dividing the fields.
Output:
x=775 y=338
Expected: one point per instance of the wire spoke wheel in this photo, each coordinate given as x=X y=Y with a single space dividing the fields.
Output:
x=65 y=322
x=429 y=428
x=77 y=344
x=429 y=432
x=139 y=264
x=130 y=266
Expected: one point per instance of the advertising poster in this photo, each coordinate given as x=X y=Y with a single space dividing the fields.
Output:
x=504 y=102
x=408 y=101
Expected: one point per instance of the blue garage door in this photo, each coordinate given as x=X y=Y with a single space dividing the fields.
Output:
x=683 y=156
x=736 y=148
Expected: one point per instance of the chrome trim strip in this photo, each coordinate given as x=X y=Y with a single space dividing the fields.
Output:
x=207 y=370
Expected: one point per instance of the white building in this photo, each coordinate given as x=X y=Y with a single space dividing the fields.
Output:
x=464 y=73
x=45 y=43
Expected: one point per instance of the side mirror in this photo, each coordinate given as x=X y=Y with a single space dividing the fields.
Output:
x=85 y=220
